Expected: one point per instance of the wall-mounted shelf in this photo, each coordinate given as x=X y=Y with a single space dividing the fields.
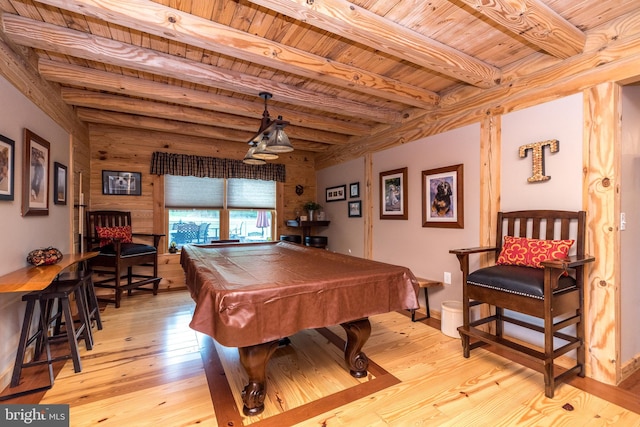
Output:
x=306 y=226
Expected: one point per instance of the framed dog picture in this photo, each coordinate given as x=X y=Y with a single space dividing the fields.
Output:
x=121 y=183
x=442 y=197
x=393 y=194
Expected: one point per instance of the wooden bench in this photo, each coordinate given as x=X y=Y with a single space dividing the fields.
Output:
x=426 y=284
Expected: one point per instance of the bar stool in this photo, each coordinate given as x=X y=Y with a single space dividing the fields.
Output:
x=57 y=293
x=85 y=277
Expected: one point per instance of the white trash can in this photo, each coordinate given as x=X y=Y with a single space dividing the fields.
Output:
x=451 y=318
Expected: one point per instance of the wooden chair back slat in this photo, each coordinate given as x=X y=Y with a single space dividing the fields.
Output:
x=546 y=224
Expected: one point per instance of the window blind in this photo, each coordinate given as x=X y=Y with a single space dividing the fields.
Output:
x=193 y=192
x=251 y=194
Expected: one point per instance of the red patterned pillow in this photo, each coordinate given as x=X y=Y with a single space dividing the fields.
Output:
x=531 y=252
x=107 y=234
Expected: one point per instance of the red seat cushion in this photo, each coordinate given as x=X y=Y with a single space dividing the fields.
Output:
x=525 y=252
x=108 y=234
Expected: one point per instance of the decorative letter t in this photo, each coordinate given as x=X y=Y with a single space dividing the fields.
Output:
x=538 y=157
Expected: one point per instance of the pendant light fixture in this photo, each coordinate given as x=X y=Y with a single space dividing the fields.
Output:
x=270 y=138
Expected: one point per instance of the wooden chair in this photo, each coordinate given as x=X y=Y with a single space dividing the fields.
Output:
x=553 y=293
x=110 y=233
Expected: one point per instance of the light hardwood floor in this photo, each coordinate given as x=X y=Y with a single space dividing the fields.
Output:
x=147 y=369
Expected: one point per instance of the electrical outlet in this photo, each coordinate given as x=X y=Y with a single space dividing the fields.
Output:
x=623 y=221
x=447 y=278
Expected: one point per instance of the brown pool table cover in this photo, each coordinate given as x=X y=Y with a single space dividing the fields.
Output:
x=247 y=294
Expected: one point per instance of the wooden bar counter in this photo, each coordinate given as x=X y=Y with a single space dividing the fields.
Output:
x=32 y=278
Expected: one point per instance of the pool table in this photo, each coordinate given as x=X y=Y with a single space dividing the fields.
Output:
x=252 y=296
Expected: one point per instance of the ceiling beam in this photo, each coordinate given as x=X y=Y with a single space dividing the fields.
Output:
x=536 y=22
x=75 y=75
x=359 y=24
x=616 y=61
x=173 y=126
x=172 y=24
x=37 y=34
x=123 y=104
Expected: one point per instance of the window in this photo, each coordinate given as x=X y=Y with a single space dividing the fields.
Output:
x=200 y=210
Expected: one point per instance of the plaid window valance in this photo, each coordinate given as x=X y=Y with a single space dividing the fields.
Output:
x=213 y=167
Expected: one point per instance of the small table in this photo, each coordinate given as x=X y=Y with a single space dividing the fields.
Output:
x=251 y=296
x=37 y=278
x=307 y=226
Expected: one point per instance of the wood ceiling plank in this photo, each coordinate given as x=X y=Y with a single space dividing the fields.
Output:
x=176 y=25
x=123 y=104
x=115 y=83
x=536 y=22
x=182 y=128
x=63 y=40
x=359 y=24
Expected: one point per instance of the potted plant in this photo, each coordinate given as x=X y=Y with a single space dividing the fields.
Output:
x=173 y=248
x=311 y=208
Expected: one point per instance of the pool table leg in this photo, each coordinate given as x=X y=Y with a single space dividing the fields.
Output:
x=358 y=332
x=254 y=359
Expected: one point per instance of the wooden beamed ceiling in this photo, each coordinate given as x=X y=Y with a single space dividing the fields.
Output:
x=349 y=76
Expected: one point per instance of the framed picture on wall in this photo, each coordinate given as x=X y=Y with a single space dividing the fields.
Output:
x=7 y=165
x=393 y=194
x=334 y=194
x=355 y=209
x=59 y=184
x=354 y=190
x=35 y=175
x=442 y=197
x=121 y=183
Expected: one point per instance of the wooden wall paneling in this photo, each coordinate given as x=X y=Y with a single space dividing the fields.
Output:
x=170 y=270
x=300 y=171
x=368 y=206
x=490 y=172
x=127 y=149
x=159 y=217
x=490 y=168
x=601 y=195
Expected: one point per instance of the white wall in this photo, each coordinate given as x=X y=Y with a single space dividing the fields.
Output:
x=18 y=234
x=426 y=250
x=630 y=237
x=561 y=120
x=405 y=242
x=346 y=233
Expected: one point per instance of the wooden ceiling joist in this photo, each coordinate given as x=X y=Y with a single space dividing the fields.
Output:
x=182 y=27
x=358 y=24
x=100 y=49
x=536 y=22
x=75 y=75
x=121 y=104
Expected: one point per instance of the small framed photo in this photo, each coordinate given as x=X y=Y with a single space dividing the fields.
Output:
x=442 y=197
x=335 y=194
x=355 y=209
x=121 y=183
x=35 y=175
x=393 y=194
x=354 y=190
x=59 y=184
x=7 y=167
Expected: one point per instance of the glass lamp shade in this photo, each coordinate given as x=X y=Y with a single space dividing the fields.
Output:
x=279 y=141
x=250 y=159
x=263 y=152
